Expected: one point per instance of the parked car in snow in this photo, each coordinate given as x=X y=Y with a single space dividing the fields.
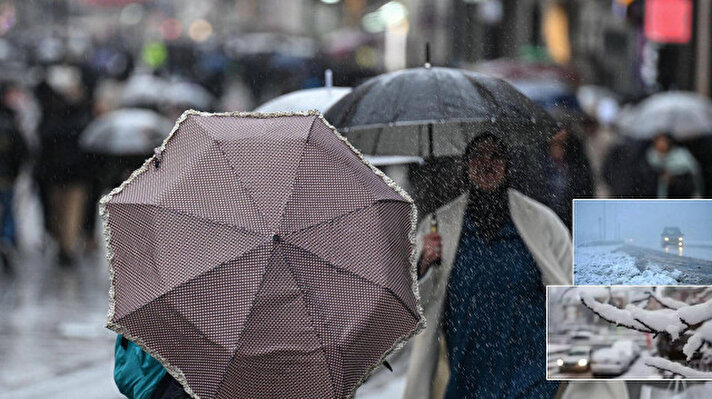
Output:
x=614 y=360
x=586 y=337
x=672 y=236
x=577 y=359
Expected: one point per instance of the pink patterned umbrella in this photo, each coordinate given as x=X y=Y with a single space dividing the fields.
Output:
x=259 y=256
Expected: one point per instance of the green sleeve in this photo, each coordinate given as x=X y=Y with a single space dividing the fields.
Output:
x=136 y=373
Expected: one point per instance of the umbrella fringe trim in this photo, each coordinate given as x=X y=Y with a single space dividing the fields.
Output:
x=420 y=326
x=174 y=371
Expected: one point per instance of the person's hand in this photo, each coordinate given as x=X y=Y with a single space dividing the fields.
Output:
x=432 y=248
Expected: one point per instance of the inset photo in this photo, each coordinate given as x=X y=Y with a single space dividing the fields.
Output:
x=642 y=242
x=629 y=332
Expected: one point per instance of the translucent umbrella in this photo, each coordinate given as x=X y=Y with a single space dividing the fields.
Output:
x=434 y=113
x=128 y=131
x=320 y=99
x=685 y=115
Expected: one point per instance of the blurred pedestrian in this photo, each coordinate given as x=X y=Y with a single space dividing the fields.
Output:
x=626 y=171
x=678 y=173
x=12 y=154
x=61 y=170
x=483 y=274
x=569 y=173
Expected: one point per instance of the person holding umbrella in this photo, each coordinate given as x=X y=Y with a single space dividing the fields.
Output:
x=484 y=260
x=482 y=278
x=677 y=170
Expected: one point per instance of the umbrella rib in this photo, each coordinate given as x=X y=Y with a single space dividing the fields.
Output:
x=192 y=279
x=341 y=216
x=197 y=217
x=302 y=290
x=485 y=92
x=360 y=277
x=237 y=178
x=436 y=94
x=398 y=106
x=247 y=322
x=296 y=174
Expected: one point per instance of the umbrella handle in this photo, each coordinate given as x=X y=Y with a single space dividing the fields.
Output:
x=427 y=55
x=434 y=224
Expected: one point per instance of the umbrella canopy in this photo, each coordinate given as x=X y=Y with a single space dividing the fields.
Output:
x=685 y=115
x=128 y=131
x=320 y=99
x=188 y=95
x=259 y=256
x=390 y=114
x=435 y=112
x=143 y=90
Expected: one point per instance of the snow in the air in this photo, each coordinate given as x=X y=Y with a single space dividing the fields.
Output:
x=602 y=265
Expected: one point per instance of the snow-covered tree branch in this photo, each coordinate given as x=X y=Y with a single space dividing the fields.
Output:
x=677 y=368
x=674 y=319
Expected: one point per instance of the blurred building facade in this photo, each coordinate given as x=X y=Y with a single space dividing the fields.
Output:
x=605 y=39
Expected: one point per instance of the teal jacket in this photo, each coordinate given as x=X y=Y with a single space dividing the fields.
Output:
x=136 y=373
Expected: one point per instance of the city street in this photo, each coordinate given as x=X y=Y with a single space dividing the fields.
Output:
x=349 y=198
x=53 y=342
x=52 y=337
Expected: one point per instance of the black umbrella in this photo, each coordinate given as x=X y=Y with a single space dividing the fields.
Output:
x=433 y=113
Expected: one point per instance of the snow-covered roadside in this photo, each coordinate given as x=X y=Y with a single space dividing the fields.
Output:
x=602 y=266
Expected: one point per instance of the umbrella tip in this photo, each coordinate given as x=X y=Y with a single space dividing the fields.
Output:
x=427 y=55
x=276 y=237
x=328 y=78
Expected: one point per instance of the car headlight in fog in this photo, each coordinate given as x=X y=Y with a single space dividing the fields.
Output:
x=666 y=239
x=560 y=362
x=679 y=239
x=582 y=362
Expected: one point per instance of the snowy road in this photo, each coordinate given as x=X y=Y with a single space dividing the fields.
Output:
x=641 y=265
x=692 y=249
x=686 y=269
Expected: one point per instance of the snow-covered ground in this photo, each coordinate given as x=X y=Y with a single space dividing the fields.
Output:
x=640 y=370
x=602 y=265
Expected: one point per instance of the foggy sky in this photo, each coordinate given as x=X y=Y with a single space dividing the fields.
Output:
x=642 y=220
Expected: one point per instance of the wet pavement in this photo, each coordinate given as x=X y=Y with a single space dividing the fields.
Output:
x=53 y=343
x=52 y=337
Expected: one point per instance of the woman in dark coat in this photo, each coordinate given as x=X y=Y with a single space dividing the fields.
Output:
x=62 y=169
